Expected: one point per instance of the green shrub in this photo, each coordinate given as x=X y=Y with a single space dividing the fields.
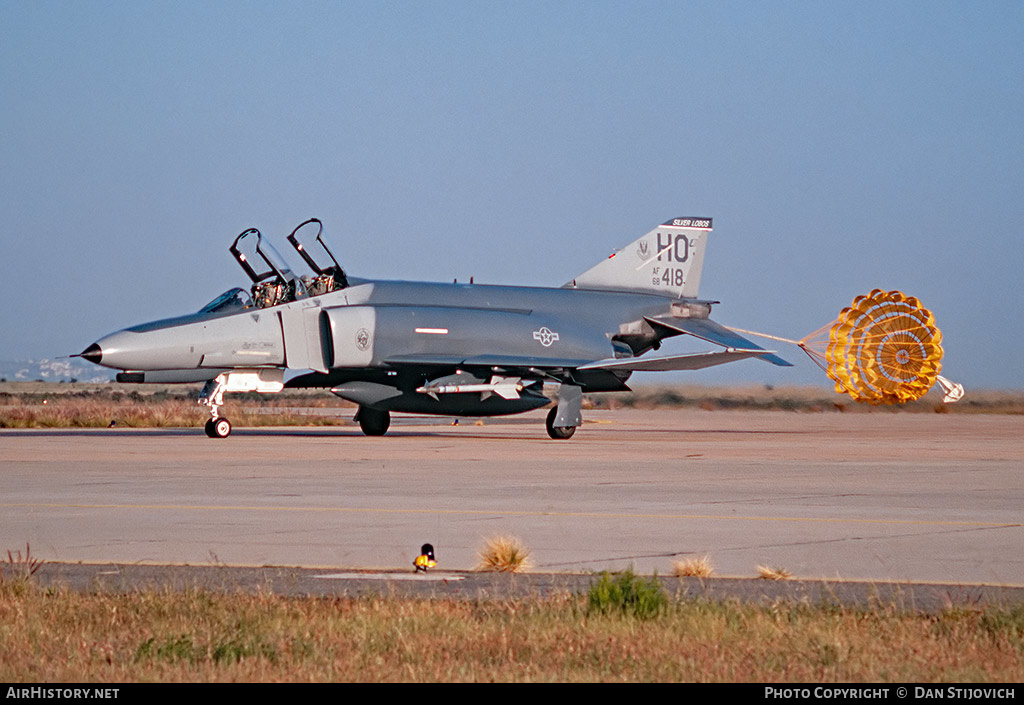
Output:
x=628 y=594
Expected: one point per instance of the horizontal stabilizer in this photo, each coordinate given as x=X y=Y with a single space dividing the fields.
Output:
x=690 y=361
x=706 y=329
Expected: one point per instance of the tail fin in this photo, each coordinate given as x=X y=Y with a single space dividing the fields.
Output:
x=665 y=261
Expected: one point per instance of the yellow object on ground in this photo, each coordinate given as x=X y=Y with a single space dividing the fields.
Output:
x=426 y=558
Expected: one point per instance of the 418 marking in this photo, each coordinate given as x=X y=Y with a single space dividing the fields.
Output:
x=670 y=276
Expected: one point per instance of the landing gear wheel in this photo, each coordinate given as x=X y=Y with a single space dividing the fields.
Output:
x=558 y=432
x=374 y=422
x=218 y=428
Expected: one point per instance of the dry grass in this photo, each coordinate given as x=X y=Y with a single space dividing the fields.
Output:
x=130 y=412
x=504 y=554
x=698 y=567
x=765 y=572
x=156 y=635
x=59 y=405
x=20 y=567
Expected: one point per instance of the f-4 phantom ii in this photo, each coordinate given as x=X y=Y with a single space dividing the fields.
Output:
x=458 y=349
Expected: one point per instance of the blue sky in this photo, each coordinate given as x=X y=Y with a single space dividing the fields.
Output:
x=839 y=147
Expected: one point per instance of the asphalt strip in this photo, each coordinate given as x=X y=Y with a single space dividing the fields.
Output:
x=444 y=577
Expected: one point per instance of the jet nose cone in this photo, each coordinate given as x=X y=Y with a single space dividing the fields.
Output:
x=93 y=353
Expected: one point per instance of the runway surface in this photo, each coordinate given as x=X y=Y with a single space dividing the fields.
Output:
x=876 y=496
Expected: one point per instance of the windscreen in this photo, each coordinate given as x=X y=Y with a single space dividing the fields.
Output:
x=231 y=300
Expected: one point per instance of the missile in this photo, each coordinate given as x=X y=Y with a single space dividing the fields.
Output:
x=504 y=387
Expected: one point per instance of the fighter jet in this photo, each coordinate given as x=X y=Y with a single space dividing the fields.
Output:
x=459 y=349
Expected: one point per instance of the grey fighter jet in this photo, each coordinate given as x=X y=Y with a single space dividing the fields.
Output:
x=459 y=349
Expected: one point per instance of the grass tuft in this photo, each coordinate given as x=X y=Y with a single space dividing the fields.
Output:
x=627 y=594
x=698 y=567
x=1005 y=623
x=504 y=554
x=765 y=572
x=20 y=567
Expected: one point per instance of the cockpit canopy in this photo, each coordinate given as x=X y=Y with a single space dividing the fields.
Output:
x=329 y=274
x=273 y=282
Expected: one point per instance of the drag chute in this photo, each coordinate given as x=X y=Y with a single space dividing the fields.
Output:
x=883 y=349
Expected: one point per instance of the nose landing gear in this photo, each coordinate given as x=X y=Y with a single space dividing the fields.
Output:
x=213 y=397
x=263 y=380
x=218 y=428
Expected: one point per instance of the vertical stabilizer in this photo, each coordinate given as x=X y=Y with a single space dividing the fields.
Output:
x=665 y=261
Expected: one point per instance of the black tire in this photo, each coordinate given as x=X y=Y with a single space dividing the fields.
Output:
x=218 y=428
x=559 y=433
x=374 y=422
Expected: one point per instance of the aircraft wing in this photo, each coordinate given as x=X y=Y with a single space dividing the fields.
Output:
x=519 y=361
x=689 y=361
x=706 y=329
x=593 y=375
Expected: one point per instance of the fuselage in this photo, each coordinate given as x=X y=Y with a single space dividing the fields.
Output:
x=397 y=319
x=463 y=349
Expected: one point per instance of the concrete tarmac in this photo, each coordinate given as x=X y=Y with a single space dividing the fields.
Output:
x=880 y=496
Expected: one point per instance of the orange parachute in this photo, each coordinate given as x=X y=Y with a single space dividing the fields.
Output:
x=883 y=349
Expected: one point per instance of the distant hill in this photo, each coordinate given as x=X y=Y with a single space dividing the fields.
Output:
x=53 y=371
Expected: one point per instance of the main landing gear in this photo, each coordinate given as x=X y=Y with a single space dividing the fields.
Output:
x=558 y=432
x=564 y=418
x=373 y=422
